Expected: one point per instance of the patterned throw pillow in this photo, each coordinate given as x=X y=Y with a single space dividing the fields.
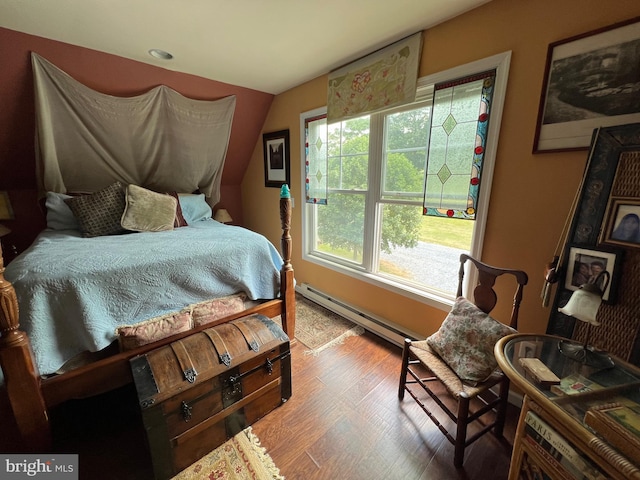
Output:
x=99 y=213
x=466 y=339
x=210 y=310
x=152 y=330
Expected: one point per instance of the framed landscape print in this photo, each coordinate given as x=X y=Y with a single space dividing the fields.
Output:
x=591 y=80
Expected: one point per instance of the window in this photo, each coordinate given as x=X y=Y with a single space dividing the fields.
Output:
x=378 y=167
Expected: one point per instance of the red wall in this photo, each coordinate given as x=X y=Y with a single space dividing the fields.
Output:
x=112 y=75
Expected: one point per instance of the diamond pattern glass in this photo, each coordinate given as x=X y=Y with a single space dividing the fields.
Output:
x=457 y=145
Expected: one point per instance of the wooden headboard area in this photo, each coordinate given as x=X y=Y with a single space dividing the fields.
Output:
x=612 y=176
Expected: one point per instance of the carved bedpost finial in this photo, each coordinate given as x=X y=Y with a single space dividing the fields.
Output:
x=9 y=332
x=285 y=218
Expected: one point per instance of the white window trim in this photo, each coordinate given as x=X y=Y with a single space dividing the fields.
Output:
x=500 y=62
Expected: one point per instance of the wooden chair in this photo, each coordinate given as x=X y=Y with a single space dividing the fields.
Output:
x=473 y=400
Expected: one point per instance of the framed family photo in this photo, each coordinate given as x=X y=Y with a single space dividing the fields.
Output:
x=276 y=159
x=622 y=226
x=591 y=265
x=590 y=81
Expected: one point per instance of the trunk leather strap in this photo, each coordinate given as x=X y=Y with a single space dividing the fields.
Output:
x=248 y=334
x=184 y=359
x=219 y=345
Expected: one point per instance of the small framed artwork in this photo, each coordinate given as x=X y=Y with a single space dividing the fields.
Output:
x=622 y=224
x=276 y=159
x=590 y=81
x=600 y=266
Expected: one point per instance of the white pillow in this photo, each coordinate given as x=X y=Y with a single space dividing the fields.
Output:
x=59 y=215
x=194 y=207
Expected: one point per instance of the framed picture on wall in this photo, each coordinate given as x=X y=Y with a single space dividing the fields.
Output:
x=276 y=159
x=622 y=224
x=591 y=80
x=588 y=265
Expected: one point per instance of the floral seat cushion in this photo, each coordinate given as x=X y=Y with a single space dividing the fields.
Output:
x=466 y=339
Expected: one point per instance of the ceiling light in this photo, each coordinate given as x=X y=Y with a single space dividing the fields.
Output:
x=161 y=54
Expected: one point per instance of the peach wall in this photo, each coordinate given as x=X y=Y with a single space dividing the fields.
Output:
x=531 y=194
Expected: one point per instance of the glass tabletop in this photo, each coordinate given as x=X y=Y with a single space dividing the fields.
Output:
x=579 y=387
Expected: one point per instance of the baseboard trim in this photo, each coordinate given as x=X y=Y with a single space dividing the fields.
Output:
x=382 y=327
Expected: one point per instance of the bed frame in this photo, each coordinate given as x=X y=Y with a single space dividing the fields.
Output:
x=31 y=396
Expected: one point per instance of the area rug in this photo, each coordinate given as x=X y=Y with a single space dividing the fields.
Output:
x=319 y=328
x=240 y=458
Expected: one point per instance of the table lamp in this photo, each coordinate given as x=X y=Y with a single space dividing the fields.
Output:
x=222 y=216
x=583 y=305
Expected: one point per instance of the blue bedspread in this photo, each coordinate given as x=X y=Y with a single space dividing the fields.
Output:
x=73 y=292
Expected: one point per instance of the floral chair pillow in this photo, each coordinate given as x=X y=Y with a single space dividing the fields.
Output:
x=466 y=339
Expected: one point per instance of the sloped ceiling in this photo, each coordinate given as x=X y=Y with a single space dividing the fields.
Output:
x=266 y=45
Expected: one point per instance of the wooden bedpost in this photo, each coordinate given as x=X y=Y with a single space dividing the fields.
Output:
x=287 y=287
x=20 y=376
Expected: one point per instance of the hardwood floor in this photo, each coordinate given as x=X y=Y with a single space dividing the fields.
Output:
x=344 y=421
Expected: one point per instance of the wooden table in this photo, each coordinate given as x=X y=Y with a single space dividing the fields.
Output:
x=552 y=439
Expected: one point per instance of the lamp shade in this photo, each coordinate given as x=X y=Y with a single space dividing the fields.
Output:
x=4 y=230
x=222 y=216
x=584 y=304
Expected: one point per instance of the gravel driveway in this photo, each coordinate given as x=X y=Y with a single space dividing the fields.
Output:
x=433 y=265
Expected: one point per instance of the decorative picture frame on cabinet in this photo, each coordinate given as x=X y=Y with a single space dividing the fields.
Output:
x=622 y=225
x=590 y=81
x=584 y=265
x=277 y=168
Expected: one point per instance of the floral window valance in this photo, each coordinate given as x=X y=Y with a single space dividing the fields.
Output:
x=383 y=79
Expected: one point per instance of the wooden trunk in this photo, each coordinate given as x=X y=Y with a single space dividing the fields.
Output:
x=199 y=391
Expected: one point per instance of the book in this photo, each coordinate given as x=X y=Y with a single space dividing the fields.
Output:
x=568 y=459
x=574 y=384
x=549 y=458
x=619 y=425
x=540 y=372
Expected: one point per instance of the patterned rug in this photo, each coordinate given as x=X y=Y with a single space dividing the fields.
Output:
x=240 y=458
x=319 y=328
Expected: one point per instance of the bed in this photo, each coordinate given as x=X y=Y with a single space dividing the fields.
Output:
x=69 y=308
x=131 y=259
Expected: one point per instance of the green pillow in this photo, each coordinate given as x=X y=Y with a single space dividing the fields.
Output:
x=147 y=211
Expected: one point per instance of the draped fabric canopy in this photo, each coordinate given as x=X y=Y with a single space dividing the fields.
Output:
x=161 y=140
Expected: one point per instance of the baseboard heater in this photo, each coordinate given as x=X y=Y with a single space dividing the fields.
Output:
x=377 y=325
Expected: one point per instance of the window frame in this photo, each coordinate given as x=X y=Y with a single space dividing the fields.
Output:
x=499 y=62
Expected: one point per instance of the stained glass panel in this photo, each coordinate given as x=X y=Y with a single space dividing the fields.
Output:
x=316 y=160
x=457 y=144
